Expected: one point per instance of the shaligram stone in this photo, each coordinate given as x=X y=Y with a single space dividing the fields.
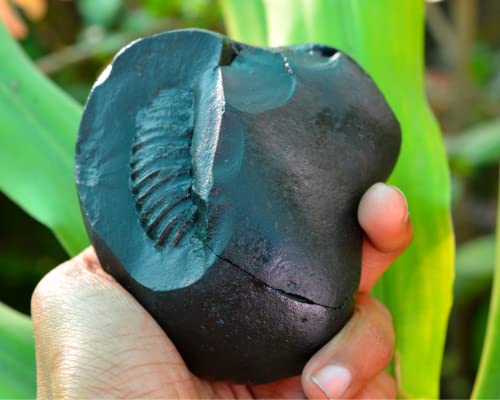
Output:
x=219 y=184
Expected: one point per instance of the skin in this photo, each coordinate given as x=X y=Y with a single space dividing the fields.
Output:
x=94 y=340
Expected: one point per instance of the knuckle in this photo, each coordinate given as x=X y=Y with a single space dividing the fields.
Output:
x=383 y=343
x=46 y=290
x=65 y=283
x=64 y=291
x=392 y=389
x=385 y=314
x=369 y=308
x=380 y=331
x=387 y=385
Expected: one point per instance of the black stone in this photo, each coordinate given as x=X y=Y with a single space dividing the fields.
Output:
x=219 y=183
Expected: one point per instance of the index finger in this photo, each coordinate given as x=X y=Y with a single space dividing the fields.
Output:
x=383 y=215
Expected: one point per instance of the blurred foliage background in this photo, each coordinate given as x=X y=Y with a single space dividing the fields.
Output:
x=72 y=41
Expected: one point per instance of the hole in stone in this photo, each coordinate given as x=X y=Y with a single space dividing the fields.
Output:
x=325 y=51
x=230 y=51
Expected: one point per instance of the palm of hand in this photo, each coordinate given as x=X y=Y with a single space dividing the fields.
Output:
x=131 y=357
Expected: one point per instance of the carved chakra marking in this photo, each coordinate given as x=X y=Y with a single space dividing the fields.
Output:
x=160 y=167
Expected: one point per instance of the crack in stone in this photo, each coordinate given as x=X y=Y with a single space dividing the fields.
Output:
x=291 y=296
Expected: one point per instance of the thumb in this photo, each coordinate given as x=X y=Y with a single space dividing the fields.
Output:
x=354 y=358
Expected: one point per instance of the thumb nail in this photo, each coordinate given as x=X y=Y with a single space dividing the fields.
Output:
x=333 y=381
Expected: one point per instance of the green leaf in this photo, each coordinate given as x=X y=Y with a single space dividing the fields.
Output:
x=251 y=27
x=486 y=385
x=477 y=146
x=386 y=38
x=38 y=127
x=478 y=323
x=474 y=268
x=17 y=355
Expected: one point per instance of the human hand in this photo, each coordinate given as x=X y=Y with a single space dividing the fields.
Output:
x=93 y=339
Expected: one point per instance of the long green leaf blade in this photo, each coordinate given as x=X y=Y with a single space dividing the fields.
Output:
x=386 y=38
x=254 y=12
x=477 y=146
x=38 y=127
x=487 y=384
x=17 y=355
x=474 y=267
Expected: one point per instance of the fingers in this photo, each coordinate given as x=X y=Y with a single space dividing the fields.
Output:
x=383 y=215
x=351 y=364
x=94 y=340
x=353 y=358
x=382 y=387
x=289 y=388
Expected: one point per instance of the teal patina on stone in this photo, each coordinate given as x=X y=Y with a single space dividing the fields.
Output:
x=219 y=183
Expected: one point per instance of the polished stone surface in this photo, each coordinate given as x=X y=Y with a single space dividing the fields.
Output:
x=219 y=184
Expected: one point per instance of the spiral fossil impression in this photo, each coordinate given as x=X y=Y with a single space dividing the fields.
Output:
x=219 y=184
x=161 y=185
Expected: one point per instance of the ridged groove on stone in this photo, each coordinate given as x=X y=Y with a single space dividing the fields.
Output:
x=160 y=167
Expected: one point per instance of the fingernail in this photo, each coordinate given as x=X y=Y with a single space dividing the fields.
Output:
x=407 y=216
x=333 y=381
